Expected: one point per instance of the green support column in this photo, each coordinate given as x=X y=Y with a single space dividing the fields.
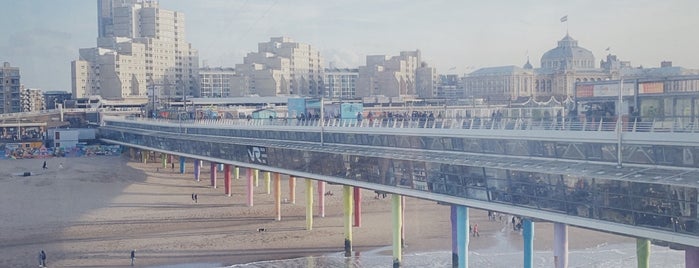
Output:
x=144 y=156
x=163 y=160
x=309 y=204
x=397 y=212
x=643 y=252
x=256 y=177
x=268 y=183
x=347 y=201
x=236 y=173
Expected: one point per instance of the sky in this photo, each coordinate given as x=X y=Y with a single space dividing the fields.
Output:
x=42 y=37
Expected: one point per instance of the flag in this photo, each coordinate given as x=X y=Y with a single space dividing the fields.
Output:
x=564 y=18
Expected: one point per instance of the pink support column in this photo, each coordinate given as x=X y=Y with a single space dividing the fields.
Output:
x=691 y=257
x=250 y=185
x=278 y=196
x=213 y=174
x=227 y=179
x=402 y=226
x=321 y=199
x=357 y=207
x=292 y=189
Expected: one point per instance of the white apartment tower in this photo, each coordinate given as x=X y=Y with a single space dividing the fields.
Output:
x=282 y=67
x=139 y=47
x=397 y=76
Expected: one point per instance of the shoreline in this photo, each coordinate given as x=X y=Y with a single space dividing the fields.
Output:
x=95 y=210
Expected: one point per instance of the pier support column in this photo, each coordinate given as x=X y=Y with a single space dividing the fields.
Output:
x=309 y=204
x=402 y=226
x=321 y=199
x=197 y=169
x=560 y=245
x=268 y=183
x=213 y=174
x=292 y=189
x=397 y=212
x=250 y=185
x=236 y=172
x=643 y=252
x=257 y=177
x=132 y=153
x=227 y=179
x=461 y=236
x=182 y=162
x=528 y=238
x=358 y=207
x=691 y=257
x=220 y=167
x=144 y=156
x=277 y=195
x=347 y=221
x=163 y=159
x=169 y=158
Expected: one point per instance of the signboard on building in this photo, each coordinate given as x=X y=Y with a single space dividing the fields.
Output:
x=584 y=91
x=650 y=88
x=611 y=90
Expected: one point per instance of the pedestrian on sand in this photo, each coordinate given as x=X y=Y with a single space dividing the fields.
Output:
x=192 y=197
x=42 y=255
x=172 y=165
x=44 y=167
x=196 y=198
x=475 y=230
x=133 y=256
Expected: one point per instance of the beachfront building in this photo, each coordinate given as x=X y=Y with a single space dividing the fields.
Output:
x=9 y=89
x=402 y=75
x=54 y=98
x=219 y=82
x=561 y=68
x=340 y=83
x=140 y=48
x=282 y=67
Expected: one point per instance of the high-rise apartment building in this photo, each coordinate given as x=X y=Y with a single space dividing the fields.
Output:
x=340 y=84
x=9 y=89
x=219 y=83
x=141 y=48
x=397 y=76
x=32 y=100
x=281 y=67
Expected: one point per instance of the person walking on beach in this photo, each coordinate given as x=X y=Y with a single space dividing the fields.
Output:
x=44 y=167
x=42 y=258
x=133 y=256
x=196 y=198
x=172 y=165
x=192 y=197
x=475 y=231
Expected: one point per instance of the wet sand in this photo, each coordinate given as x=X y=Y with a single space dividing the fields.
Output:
x=94 y=211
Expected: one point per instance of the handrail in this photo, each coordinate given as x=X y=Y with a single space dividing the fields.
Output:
x=679 y=125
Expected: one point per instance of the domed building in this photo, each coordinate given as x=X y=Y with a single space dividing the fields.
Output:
x=561 y=67
x=564 y=65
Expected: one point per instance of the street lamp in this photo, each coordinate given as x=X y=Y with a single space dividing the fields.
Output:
x=618 y=119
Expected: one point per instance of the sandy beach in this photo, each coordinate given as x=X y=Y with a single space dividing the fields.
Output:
x=93 y=211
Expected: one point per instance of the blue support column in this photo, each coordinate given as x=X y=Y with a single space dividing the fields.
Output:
x=528 y=239
x=462 y=235
x=182 y=162
x=454 y=238
x=197 y=169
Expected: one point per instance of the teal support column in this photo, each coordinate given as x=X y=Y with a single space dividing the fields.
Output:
x=528 y=239
x=182 y=162
x=643 y=252
x=462 y=235
x=347 y=201
x=397 y=212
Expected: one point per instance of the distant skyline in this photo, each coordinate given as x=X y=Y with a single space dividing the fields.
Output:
x=43 y=37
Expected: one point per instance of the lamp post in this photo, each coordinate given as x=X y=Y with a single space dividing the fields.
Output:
x=618 y=120
x=322 y=118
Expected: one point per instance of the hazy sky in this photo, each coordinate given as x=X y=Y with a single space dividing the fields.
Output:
x=456 y=36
